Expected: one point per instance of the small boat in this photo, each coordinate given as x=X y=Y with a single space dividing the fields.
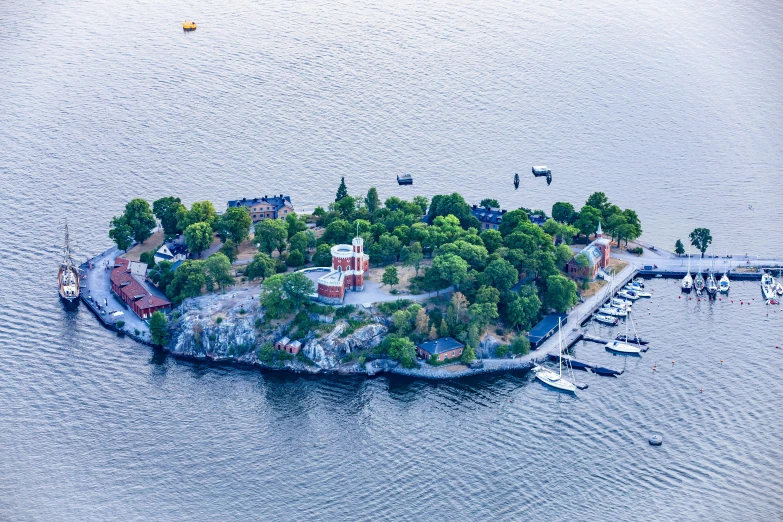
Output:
x=541 y=172
x=639 y=281
x=614 y=312
x=724 y=285
x=767 y=286
x=620 y=303
x=779 y=288
x=712 y=283
x=698 y=283
x=549 y=377
x=605 y=319
x=68 y=279
x=603 y=370
x=632 y=340
x=189 y=25
x=516 y=181
x=656 y=440
x=687 y=282
x=405 y=179
x=621 y=347
x=628 y=294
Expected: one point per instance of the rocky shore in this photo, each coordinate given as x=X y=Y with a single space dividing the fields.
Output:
x=224 y=328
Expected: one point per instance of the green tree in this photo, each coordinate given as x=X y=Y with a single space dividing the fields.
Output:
x=443 y=329
x=474 y=336
x=284 y=294
x=598 y=200
x=468 y=355
x=492 y=240
x=511 y=220
x=323 y=255
x=563 y=212
x=482 y=314
x=338 y=231
x=234 y=224
x=198 y=237
x=229 y=249
x=342 y=190
x=165 y=209
x=582 y=260
x=262 y=266
x=489 y=203
x=299 y=242
x=403 y=350
x=121 y=233
x=563 y=255
x=148 y=258
x=390 y=276
x=162 y=275
x=679 y=248
x=523 y=310
x=449 y=269
x=139 y=217
x=295 y=258
x=270 y=234
x=295 y=224
x=389 y=247
x=401 y=319
x=415 y=256
x=701 y=239
x=159 y=328
x=298 y=288
x=188 y=281
x=501 y=274
x=200 y=212
x=372 y=201
x=422 y=202
x=520 y=345
x=587 y=221
x=560 y=293
x=487 y=294
x=454 y=205
x=219 y=269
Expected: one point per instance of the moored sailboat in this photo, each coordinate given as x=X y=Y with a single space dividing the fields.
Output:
x=549 y=377
x=687 y=282
x=68 y=276
x=724 y=285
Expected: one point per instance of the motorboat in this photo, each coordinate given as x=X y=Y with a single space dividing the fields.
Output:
x=621 y=347
x=620 y=303
x=555 y=379
x=614 y=312
x=724 y=285
x=639 y=281
x=698 y=283
x=405 y=179
x=603 y=370
x=767 y=286
x=779 y=288
x=605 y=319
x=628 y=294
x=639 y=293
x=189 y=26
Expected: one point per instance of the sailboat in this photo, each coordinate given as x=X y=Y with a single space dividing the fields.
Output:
x=622 y=346
x=712 y=284
x=698 y=282
x=632 y=340
x=516 y=181
x=68 y=276
x=687 y=281
x=549 y=377
x=724 y=285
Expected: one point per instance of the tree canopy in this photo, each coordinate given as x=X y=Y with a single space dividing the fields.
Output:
x=198 y=237
x=271 y=235
x=701 y=239
x=165 y=209
x=234 y=224
x=342 y=190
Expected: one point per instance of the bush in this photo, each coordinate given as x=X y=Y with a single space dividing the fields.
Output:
x=266 y=352
x=502 y=350
x=219 y=320
x=344 y=311
x=295 y=259
x=120 y=324
x=390 y=307
x=520 y=345
x=148 y=258
x=637 y=250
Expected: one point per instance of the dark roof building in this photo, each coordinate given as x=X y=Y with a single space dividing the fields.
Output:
x=489 y=218
x=442 y=349
x=268 y=207
x=545 y=329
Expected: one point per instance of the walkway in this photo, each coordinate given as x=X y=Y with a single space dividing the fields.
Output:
x=96 y=292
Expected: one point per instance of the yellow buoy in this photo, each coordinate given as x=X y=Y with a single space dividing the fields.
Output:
x=189 y=26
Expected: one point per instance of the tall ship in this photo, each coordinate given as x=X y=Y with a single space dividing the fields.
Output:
x=68 y=276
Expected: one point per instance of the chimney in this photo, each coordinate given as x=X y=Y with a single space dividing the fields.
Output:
x=475 y=207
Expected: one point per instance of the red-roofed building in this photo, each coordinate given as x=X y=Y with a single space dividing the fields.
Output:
x=129 y=282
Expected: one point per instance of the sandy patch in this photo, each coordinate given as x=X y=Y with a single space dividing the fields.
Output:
x=150 y=245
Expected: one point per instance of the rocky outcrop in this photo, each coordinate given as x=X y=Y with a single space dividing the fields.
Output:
x=329 y=350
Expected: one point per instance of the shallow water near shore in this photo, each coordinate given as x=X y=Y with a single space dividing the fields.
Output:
x=672 y=110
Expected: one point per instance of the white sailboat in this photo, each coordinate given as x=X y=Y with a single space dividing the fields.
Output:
x=624 y=347
x=724 y=285
x=614 y=312
x=687 y=281
x=767 y=286
x=549 y=377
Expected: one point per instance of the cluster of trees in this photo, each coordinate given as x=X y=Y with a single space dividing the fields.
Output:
x=192 y=276
x=291 y=234
x=618 y=223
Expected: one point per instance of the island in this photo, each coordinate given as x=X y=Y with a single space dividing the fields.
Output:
x=435 y=289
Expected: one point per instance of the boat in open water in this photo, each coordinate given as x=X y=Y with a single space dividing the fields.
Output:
x=68 y=276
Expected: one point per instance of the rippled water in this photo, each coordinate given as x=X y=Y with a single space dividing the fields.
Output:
x=673 y=109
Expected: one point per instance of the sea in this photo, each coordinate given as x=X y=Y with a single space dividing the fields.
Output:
x=672 y=108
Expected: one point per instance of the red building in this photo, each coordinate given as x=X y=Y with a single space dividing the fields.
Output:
x=287 y=345
x=129 y=282
x=597 y=254
x=442 y=349
x=349 y=263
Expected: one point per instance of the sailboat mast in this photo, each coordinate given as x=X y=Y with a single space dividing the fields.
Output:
x=560 y=347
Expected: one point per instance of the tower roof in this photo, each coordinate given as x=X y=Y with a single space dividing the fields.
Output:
x=599 y=232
